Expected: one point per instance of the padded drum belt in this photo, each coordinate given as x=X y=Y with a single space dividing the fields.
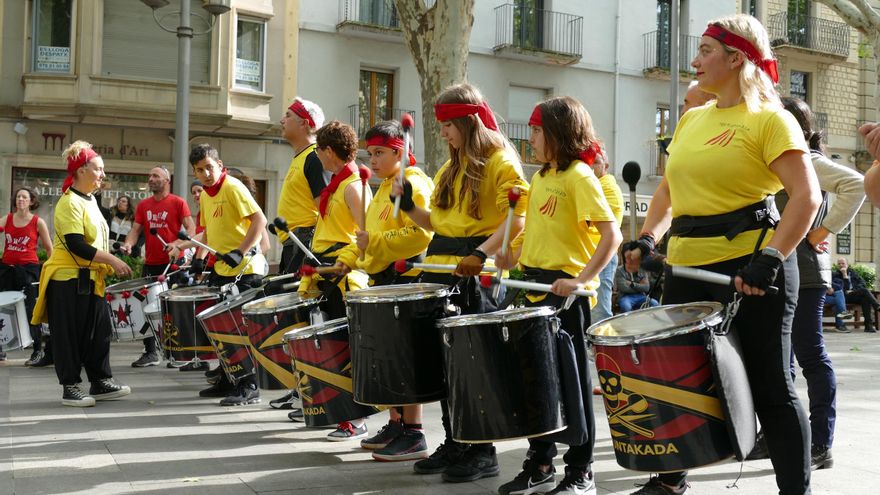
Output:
x=762 y=214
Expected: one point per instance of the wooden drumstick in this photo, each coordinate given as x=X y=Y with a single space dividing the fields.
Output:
x=520 y=284
x=403 y=266
x=513 y=196
x=365 y=174
x=406 y=121
x=709 y=276
x=319 y=270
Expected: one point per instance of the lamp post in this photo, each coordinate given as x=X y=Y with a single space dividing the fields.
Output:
x=185 y=34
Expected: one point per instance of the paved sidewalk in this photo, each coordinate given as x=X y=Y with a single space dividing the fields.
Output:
x=164 y=439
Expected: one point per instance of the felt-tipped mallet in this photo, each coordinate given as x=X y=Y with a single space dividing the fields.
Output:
x=183 y=236
x=281 y=224
x=308 y=270
x=365 y=174
x=407 y=123
x=154 y=231
x=403 y=266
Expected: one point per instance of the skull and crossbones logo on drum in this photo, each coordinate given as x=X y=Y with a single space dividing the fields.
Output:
x=170 y=331
x=624 y=409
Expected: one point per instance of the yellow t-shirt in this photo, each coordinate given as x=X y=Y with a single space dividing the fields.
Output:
x=501 y=172
x=719 y=161
x=296 y=203
x=226 y=222
x=77 y=215
x=614 y=196
x=337 y=224
x=560 y=204
x=392 y=239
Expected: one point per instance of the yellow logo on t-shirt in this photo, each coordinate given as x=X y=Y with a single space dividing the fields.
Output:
x=218 y=211
x=385 y=213
x=549 y=207
x=722 y=139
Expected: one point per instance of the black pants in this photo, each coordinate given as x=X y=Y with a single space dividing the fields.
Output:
x=575 y=320
x=867 y=301
x=764 y=327
x=81 y=332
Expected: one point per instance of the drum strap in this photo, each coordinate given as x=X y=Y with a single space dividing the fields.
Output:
x=329 y=260
x=389 y=275
x=760 y=215
x=455 y=246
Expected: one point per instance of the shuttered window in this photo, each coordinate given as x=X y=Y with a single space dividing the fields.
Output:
x=134 y=46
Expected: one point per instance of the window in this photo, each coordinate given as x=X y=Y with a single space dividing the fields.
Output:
x=800 y=85
x=250 y=42
x=664 y=32
x=528 y=23
x=798 y=22
x=378 y=13
x=864 y=234
x=51 y=35
x=661 y=129
x=375 y=99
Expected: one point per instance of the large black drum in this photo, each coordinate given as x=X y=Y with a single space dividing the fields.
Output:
x=226 y=328
x=502 y=369
x=395 y=347
x=659 y=370
x=181 y=334
x=322 y=357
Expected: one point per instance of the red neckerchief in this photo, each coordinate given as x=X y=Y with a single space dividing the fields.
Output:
x=331 y=188
x=213 y=190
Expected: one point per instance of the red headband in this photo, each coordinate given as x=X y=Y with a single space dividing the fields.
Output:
x=74 y=163
x=536 y=119
x=768 y=65
x=300 y=111
x=392 y=143
x=449 y=111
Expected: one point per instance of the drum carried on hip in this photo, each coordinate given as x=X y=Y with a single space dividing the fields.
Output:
x=395 y=348
x=268 y=319
x=226 y=329
x=15 y=333
x=182 y=336
x=322 y=357
x=127 y=300
x=502 y=369
x=659 y=378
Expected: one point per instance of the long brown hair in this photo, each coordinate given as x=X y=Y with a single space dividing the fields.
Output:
x=568 y=131
x=477 y=145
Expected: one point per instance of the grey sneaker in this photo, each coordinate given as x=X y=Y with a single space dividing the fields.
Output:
x=296 y=415
x=147 y=359
x=106 y=389
x=74 y=397
x=347 y=431
x=245 y=393
x=408 y=446
x=388 y=433
x=576 y=482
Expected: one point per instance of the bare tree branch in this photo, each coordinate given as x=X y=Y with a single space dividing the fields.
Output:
x=850 y=14
x=870 y=14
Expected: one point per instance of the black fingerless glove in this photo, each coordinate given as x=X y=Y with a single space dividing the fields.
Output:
x=645 y=244
x=197 y=266
x=406 y=201
x=232 y=258
x=761 y=272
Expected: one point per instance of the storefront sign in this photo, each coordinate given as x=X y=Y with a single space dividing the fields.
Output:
x=642 y=202
x=844 y=241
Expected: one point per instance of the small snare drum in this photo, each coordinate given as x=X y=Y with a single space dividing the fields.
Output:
x=127 y=300
x=14 y=330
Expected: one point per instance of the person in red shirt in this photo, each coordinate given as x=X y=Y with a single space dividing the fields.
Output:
x=21 y=267
x=166 y=213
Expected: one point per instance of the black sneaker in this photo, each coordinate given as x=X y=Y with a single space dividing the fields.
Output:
x=530 y=480
x=194 y=366
x=446 y=454
x=245 y=393
x=842 y=328
x=409 y=445
x=296 y=415
x=220 y=389
x=820 y=458
x=213 y=376
x=147 y=359
x=388 y=433
x=760 y=451
x=35 y=358
x=576 y=482
x=870 y=330
x=655 y=487
x=288 y=401
x=105 y=389
x=74 y=397
x=477 y=462
x=2 y=356
x=45 y=360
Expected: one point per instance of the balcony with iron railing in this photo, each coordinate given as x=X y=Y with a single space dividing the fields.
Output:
x=810 y=33
x=657 y=52
x=556 y=37
x=518 y=134
x=369 y=17
x=362 y=119
x=656 y=159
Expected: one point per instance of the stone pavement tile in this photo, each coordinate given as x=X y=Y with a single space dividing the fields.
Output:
x=81 y=484
x=56 y=463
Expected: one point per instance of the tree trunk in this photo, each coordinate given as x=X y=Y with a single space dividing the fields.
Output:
x=438 y=39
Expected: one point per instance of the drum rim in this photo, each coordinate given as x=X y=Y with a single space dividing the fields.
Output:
x=331 y=326
x=495 y=317
x=711 y=320
x=16 y=295
x=204 y=290
x=363 y=296
x=129 y=285
x=300 y=301
x=226 y=304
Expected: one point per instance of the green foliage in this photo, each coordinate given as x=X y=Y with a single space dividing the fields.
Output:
x=136 y=264
x=867 y=273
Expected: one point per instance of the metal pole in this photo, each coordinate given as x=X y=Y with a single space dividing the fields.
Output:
x=674 y=39
x=181 y=132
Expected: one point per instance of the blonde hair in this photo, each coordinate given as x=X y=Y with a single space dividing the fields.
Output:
x=755 y=85
x=477 y=145
x=75 y=149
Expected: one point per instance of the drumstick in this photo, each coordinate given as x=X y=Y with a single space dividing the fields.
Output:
x=708 y=276
x=183 y=236
x=320 y=270
x=403 y=266
x=155 y=232
x=520 y=284
x=512 y=198
x=291 y=285
x=406 y=121
x=281 y=224
x=365 y=174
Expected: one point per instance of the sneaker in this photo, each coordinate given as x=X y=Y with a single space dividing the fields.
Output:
x=347 y=431
x=655 y=487
x=74 y=397
x=820 y=457
x=105 y=389
x=388 y=433
x=447 y=454
x=530 y=480
x=194 y=366
x=576 y=482
x=477 y=462
x=289 y=401
x=870 y=330
x=842 y=329
x=220 y=389
x=409 y=445
x=296 y=415
x=760 y=451
x=35 y=358
x=245 y=393
x=2 y=356
x=147 y=359
x=45 y=360
x=845 y=315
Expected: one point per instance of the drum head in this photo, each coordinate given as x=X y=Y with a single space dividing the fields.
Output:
x=198 y=293
x=396 y=293
x=319 y=329
x=231 y=302
x=276 y=303
x=10 y=297
x=656 y=323
x=512 y=314
x=152 y=308
x=132 y=285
